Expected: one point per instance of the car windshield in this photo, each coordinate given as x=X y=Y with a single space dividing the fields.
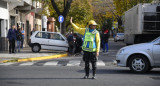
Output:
x=156 y=40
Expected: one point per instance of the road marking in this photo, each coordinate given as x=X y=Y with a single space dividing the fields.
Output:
x=52 y=63
x=27 y=64
x=6 y=64
x=74 y=63
x=100 y=63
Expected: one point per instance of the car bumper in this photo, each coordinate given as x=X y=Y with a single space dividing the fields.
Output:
x=30 y=44
x=120 y=39
x=121 y=60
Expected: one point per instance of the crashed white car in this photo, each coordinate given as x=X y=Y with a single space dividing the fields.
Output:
x=48 y=40
x=140 y=57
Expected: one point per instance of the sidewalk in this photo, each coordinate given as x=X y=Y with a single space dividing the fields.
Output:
x=27 y=55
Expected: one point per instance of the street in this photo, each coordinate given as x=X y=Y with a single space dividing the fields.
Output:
x=69 y=71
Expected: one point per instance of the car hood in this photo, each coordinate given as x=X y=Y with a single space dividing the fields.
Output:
x=139 y=46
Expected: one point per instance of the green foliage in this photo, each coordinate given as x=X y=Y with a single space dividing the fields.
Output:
x=80 y=10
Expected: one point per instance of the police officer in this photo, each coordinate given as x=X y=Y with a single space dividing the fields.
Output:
x=91 y=46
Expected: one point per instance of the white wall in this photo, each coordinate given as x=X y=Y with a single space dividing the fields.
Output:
x=4 y=30
x=4 y=15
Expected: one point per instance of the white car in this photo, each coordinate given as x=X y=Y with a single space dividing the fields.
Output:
x=48 y=40
x=140 y=57
x=119 y=37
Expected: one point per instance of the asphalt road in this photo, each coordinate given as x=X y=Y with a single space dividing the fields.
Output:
x=66 y=72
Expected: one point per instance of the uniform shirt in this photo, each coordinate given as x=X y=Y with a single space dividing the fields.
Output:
x=82 y=32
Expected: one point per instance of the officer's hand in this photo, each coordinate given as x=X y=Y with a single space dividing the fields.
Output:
x=97 y=54
x=71 y=20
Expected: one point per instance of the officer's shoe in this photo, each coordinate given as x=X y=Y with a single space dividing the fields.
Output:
x=94 y=77
x=86 y=77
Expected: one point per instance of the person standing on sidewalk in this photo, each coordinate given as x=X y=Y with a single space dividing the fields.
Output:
x=12 y=37
x=23 y=33
x=105 y=37
x=91 y=46
x=19 y=39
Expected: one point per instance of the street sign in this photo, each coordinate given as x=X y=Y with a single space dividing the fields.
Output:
x=60 y=18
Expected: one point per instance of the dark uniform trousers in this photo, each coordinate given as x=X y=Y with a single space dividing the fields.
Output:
x=90 y=57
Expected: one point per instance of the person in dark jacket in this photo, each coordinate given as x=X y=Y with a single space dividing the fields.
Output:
x=78 y=43
x=19 y=39
x=71 y=43
x=12 y=37
x=105 y=37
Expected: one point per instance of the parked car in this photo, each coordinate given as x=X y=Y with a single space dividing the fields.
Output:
x=48 y=40
x=140 y=57
x=119 y=37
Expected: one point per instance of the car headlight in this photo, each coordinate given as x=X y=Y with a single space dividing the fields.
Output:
x=120 y=51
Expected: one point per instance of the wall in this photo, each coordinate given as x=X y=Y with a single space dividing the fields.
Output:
x=4 y=17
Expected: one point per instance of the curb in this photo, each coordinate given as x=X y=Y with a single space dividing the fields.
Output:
x=37 y=58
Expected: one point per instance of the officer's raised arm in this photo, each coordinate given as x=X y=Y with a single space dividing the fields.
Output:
x=76 y=28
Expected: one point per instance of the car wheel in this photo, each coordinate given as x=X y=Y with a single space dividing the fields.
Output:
x=139 y=64
x=36 y=48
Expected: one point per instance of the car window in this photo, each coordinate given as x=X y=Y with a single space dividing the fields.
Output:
x=41 y=35
x=55 y=36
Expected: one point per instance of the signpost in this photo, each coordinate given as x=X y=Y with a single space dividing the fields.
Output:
x=60 y=19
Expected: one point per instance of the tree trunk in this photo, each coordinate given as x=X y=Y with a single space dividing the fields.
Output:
x=63 y=29
x=64 y=13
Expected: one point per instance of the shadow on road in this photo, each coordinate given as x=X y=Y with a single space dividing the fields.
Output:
x=124 y=71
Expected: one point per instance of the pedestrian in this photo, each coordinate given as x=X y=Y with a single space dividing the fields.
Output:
x=12 y=37
x=19 y=39
x=78 y=43
x=105 y=37
x=33 y=31
x=91 y=46
x=70 y=42
x=23 y=33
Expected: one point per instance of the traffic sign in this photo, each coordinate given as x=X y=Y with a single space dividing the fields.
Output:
x=60 y=18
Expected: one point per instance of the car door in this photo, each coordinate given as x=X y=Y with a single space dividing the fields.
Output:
x=156 y=54
x=41 y=38
x=58 y=42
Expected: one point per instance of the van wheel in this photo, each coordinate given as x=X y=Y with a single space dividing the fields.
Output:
x=138 y=64
x=36 y=48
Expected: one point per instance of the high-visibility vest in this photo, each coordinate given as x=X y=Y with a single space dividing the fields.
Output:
x=89 y=43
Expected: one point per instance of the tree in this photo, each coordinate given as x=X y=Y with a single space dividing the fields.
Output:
x=80 y=10
x=64 y=13
x=102 y=13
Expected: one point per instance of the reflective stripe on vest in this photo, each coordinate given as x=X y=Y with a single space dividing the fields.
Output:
x=89 y=38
